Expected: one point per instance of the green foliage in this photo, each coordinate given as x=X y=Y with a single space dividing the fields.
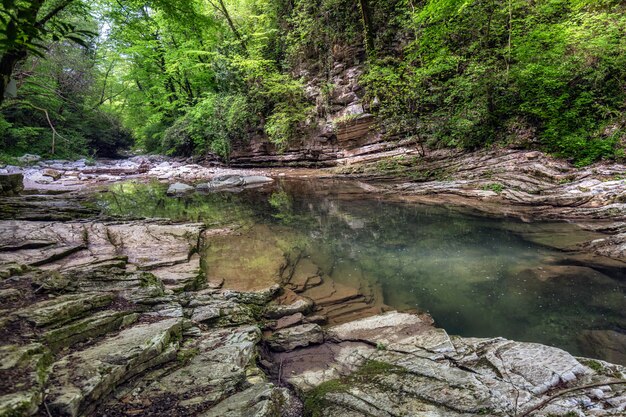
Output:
x=204 y=82
x=201 y=77
x=550 y=71
x=210 y=126
x=314 y=401
x=276 y=95
x=495 y=187
x=57 y=112
x=318 y=26
x=29 y=24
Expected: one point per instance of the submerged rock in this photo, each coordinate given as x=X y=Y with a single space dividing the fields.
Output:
x=604 y=343
x=234 y=182
x=178 y=188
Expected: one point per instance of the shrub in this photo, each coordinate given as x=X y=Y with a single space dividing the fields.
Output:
x=212 y=125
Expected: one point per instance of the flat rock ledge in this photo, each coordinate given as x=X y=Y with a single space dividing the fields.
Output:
x=397 y=364
x=116 y=319
x=526 y=184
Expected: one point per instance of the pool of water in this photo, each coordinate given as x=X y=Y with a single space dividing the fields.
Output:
x=477 y=276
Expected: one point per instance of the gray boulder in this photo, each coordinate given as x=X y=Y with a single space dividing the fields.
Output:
x=178 y=188
x=234 y=182
x=11 y=184
x=29 y=158
x=255 y=180
x=296 y=337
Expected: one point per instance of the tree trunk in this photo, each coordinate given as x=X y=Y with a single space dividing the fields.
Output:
x=7 y=65
x=26 y=16
x=368 y=32
x=224 y=11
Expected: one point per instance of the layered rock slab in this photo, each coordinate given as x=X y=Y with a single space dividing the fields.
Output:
x=210 y=367
x=397 y=364
x=81 y=379
x=165 y=250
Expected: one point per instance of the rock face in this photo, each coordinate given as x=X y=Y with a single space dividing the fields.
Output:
x=396 y=364
x=120 y=318
x=103 y=319
x=11 y=184
x=343 y=128
x=80 y=380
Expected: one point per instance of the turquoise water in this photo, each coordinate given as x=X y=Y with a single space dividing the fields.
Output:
x=477 y=276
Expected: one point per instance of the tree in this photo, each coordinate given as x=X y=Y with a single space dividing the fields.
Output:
x=368 y=31
x=25 y=27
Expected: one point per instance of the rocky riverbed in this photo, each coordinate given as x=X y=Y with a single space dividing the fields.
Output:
x=110 y=317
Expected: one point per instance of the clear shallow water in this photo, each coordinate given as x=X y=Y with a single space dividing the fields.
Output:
x=477 y=276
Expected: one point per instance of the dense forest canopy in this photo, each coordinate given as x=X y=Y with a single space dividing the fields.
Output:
x=198 y=77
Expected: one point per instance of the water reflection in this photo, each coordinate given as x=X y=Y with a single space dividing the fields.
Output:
x=477 y=276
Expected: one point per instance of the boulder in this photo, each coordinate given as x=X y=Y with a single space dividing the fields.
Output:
x=178 y=188
x=296 y=337
x=234 y=182
x=300 y=305
x=11 y=184
x=29 y=158
x=225 y=182
x=253 y=180
x=52 y=173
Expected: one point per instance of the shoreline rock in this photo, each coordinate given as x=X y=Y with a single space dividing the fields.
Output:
x=11 y=184
x=116 y=318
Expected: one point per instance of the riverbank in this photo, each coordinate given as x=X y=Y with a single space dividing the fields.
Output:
x=528 y=185
x=105 y=316
x=110 y=318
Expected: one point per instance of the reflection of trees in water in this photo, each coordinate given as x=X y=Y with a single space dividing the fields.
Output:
x=148 y=200
x=476 y=275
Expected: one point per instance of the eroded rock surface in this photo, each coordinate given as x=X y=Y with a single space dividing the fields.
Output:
x=92 y=308
x=117 y=318
x=397 y=364
x=11 y=184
